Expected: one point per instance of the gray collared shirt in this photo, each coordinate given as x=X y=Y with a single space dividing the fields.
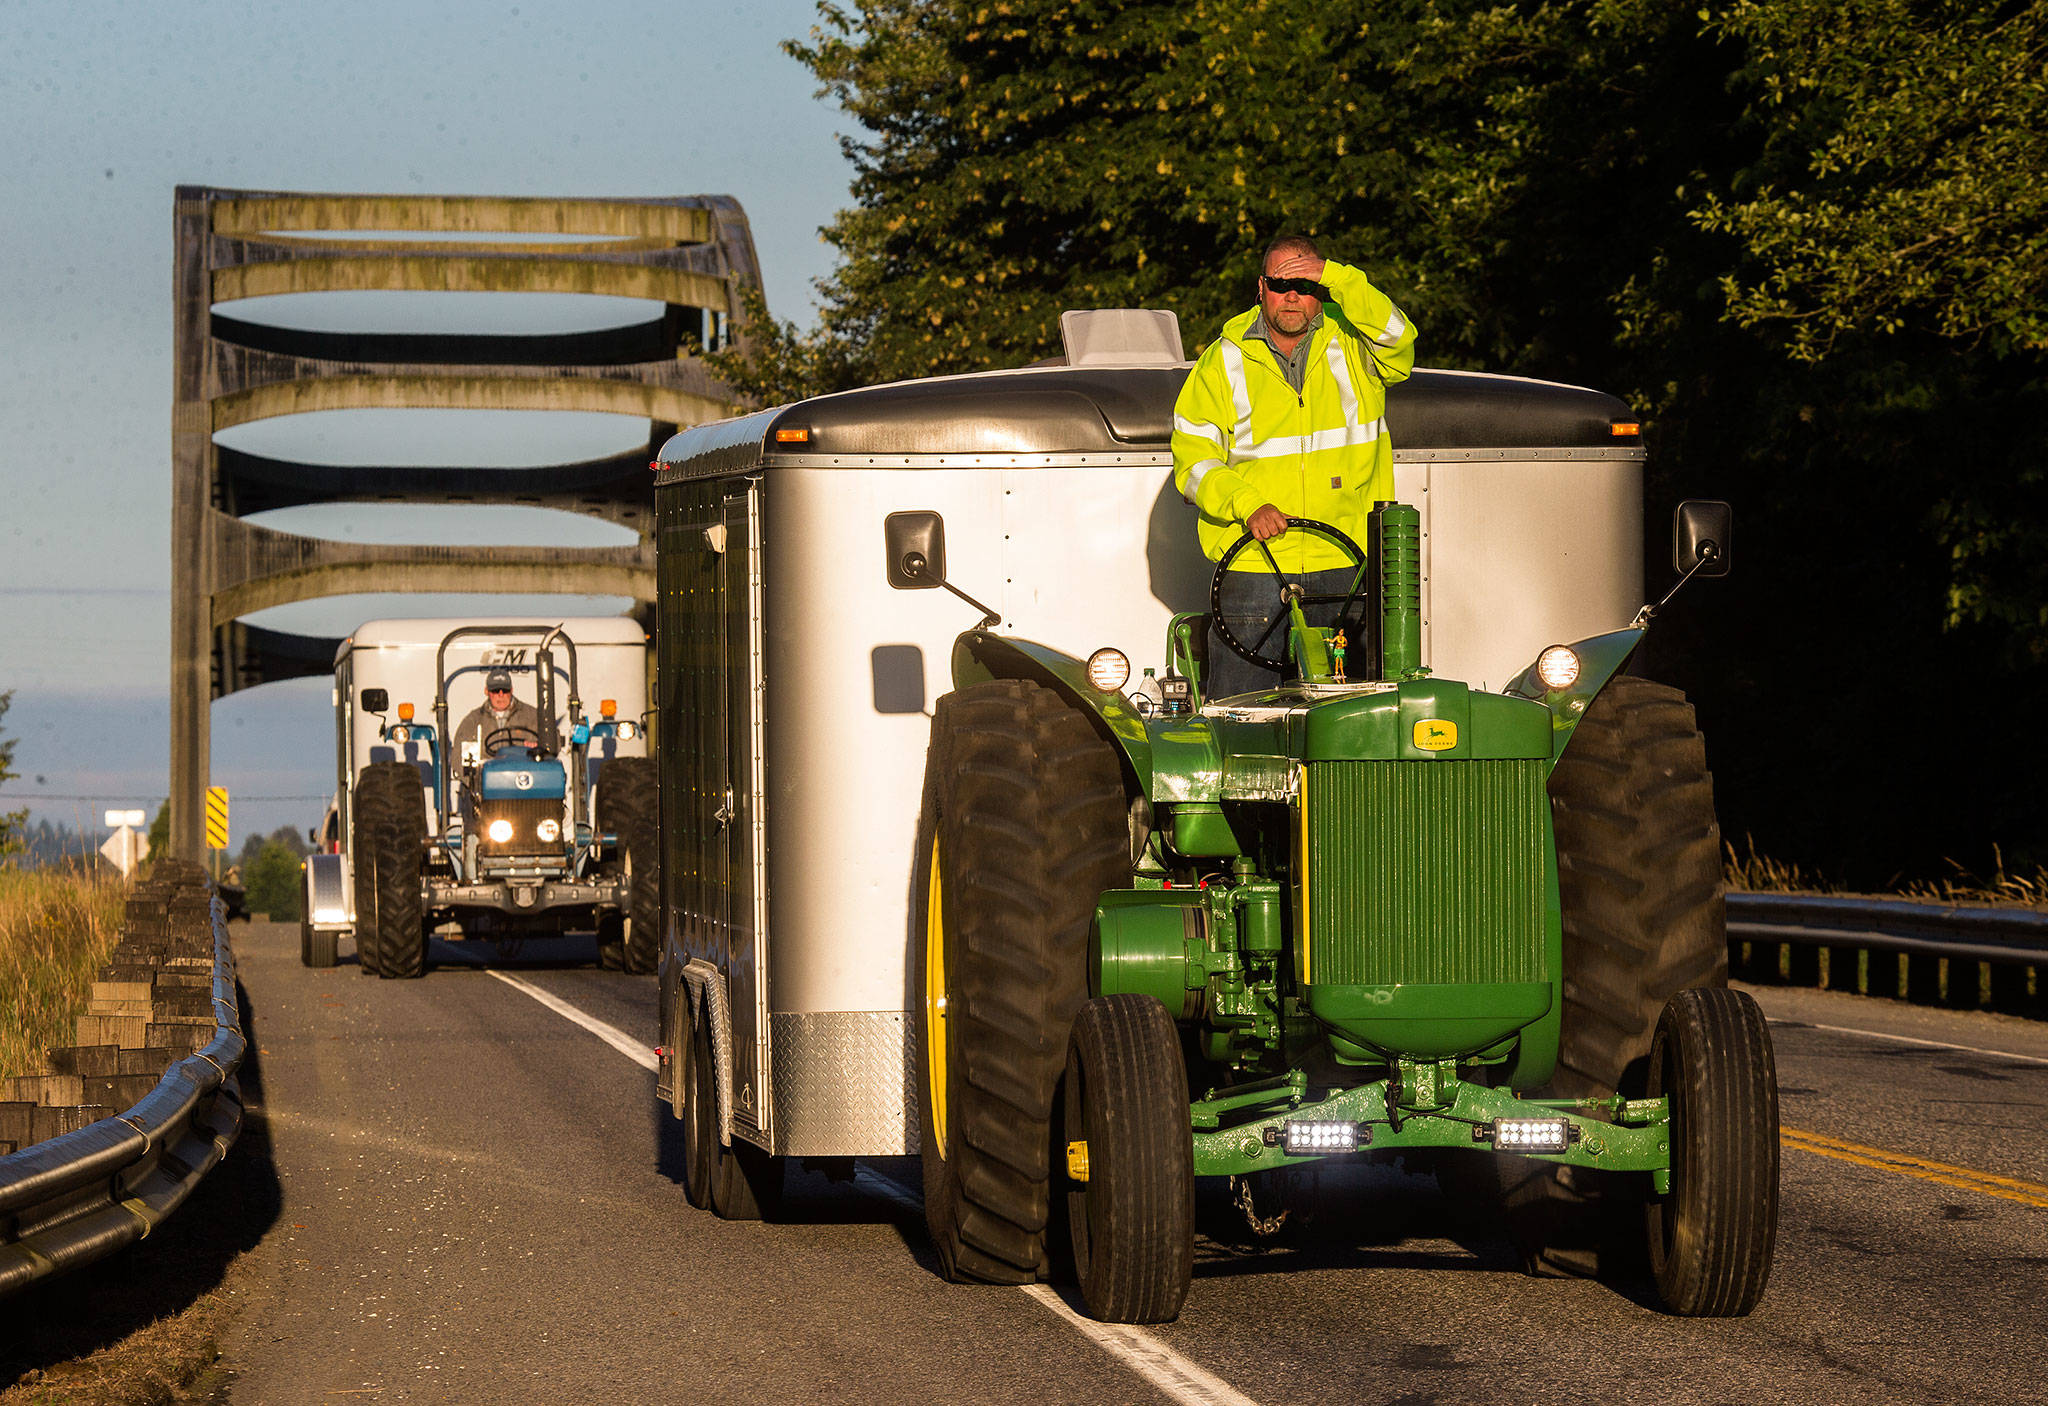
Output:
x=1295 y=367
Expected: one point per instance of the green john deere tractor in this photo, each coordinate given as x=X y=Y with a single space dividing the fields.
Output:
x=1344 y=917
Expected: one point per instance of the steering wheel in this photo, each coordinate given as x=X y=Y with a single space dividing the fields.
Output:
x=510 y=737
x=1288 y=591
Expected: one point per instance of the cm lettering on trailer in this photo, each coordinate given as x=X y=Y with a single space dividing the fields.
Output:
x=1284 y=417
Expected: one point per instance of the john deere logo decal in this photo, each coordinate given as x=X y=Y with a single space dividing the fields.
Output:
x=1436 y=734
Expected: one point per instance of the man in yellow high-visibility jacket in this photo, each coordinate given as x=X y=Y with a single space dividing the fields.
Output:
x=1283 y=417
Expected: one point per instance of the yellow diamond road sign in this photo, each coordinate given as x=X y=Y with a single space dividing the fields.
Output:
x=216 y=817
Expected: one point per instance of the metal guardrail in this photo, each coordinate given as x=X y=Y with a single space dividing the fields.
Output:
x=1954 y=954
x=1983 y=934
x=72 y=1199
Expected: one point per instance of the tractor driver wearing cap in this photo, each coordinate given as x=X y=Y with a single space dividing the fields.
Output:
x=1281 y=418
x=503 y=721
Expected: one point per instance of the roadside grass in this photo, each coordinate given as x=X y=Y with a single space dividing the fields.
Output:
x=1750 y=872
x=58 y=926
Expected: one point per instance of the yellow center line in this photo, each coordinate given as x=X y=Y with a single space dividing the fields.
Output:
x=1967 y=1178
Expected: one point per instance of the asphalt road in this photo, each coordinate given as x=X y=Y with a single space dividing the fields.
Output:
x=480 y=1202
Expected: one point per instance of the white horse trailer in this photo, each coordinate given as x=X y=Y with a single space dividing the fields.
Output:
x=796 y=685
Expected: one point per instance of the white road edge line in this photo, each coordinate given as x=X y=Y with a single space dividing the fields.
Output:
x=1909 y=1040
x=1133 y=1346
x=641 y=1054
x=1146 y=1355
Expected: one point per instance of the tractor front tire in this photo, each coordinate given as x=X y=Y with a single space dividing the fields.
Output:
x=627 y=805
x=391 y=833
x=1130 y=1168
x=1024 y=825
x=1639 y=883
x=316 y=949
x=1711 y=1238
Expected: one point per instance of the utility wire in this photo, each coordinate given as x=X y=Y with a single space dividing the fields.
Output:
x=53 y=796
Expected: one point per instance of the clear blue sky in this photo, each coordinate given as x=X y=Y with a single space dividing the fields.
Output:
x=108 y=106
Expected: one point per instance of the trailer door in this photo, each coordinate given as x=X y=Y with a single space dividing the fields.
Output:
x=746 y=889
x=710 y=714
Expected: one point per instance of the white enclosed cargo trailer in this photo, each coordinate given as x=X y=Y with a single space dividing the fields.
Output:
x=796 y=685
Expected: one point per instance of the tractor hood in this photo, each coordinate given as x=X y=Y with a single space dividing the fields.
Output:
x=518 y=777
x=1247 y=748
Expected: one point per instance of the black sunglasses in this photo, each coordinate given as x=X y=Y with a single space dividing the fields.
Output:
x=1307 y=287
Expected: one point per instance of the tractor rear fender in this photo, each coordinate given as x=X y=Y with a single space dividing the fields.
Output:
x=1601 y=657
x=979 y=656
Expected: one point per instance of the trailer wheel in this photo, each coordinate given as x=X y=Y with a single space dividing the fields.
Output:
x=699 y=1104
x=627 y=805
x=1639 y=882
x=317 y=949
x=1024 y=826
x=391 y=829
x=1711 y=1237
x=738 y=1182
x=1129 y=1161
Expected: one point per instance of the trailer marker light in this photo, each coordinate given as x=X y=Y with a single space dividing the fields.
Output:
x=1108 y=670
x=800 y=435
x=1310 y=1137
x=1625 y=429
x=500 y=831
x=1558 y=667
x=548 y=831
x=1528 y=1134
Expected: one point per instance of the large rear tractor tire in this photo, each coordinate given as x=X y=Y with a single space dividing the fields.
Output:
x=1711 y=1238
x=628 y=806
x=391 y=833
x=1129 y=1153
x=1024 y=826
x=1639 y=881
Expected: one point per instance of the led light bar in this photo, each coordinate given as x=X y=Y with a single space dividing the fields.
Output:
x=1529 y=1134
x=1314 y=1137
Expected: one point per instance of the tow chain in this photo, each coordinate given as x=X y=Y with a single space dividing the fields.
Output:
x=1262 y=1227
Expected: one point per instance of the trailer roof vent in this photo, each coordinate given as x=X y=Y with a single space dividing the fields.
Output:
x=1122 y=337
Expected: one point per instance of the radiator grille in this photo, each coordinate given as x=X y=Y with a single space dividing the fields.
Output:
x=1425 y=872
x=524 y=815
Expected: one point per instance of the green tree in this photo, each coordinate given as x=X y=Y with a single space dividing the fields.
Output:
x=1803 y=238
x=271 y=882
x=10 y=821
x=159 y=834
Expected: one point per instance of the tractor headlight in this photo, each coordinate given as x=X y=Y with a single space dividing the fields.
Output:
x=1108 y=670
x=1529 y=1134
x=401 y=734
x=1310 y=1137
x=628 y=731
x=548 y=831
x=1558 y=667
x=499 y=831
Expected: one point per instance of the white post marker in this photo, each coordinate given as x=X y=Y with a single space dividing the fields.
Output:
x=123 y=848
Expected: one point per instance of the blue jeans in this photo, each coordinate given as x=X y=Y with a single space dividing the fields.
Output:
x=1250 y=600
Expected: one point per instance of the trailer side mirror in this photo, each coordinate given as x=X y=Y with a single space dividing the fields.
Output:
x=376 y=700
x=917 y=550
x=1700 y=531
